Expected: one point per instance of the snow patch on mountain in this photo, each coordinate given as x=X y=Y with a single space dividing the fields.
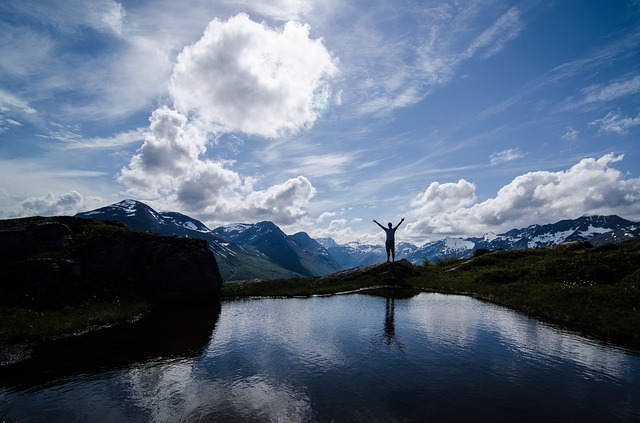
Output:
x=489 y=236
x=129 y=206
x=458 y=244
x=549 y=238
x=593 y=230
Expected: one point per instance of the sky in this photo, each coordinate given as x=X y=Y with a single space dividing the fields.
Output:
x=463 y=117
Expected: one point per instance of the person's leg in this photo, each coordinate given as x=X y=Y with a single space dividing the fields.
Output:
x=393 y=252
x=388 y=248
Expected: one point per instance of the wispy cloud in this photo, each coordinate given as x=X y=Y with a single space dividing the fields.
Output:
x=506 y=28
x=118 y=140
x=14 y=104
x=621 y=87
x=570 y=134
x=505 y=156
x=614 y=122
x=601 y=57
x=401 y=73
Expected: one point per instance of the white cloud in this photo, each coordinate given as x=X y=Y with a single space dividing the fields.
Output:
x=338 y=231
x=244 y=76
x=614 y=122
x=283 y=203
x=170 y=164
x=117 y=140
x=493 y=39
x=240 y=76
x=398 y=72
x=171 y=169
x=322 y=165
x=592 y=186
x=442 y=198
x=570 y=134
x=50 y=204
x=11 y=103
x=505 y=156
x=324 y=216
x=613 y=91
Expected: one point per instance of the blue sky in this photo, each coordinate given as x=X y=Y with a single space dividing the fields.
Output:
x=462 y=117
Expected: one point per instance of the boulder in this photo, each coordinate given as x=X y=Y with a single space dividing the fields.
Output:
x=60 y=261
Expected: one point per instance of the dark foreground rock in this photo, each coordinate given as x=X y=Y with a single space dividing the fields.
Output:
x=52 y=262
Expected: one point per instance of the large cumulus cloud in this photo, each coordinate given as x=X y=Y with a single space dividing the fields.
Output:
x=592 y=186
x=241 y=76
x=247 y=77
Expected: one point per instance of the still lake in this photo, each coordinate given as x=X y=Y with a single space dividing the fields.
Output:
x=342 y=358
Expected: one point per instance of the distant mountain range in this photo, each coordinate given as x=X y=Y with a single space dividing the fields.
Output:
x=598 y=230
x=243 y=251
x=262 y=250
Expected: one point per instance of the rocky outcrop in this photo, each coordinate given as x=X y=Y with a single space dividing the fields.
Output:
x=65 y=260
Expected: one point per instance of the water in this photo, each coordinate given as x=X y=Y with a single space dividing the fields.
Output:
x=366 y=358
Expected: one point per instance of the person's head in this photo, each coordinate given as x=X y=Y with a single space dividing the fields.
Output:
x=390 y=225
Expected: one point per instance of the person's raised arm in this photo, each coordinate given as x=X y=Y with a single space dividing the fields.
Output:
x=402 y=220
x=376 y=222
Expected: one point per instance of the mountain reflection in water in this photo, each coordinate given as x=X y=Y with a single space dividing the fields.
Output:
x=373 y=358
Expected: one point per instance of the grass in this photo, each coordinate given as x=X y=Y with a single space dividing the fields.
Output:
x=21 y=324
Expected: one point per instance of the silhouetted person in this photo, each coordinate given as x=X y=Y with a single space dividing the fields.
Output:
x=390 y=243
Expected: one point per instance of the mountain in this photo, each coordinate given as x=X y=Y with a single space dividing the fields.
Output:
x=263 y=252
x=297 y=252
x=598 y=230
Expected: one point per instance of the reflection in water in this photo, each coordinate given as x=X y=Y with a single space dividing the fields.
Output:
x=389 y=325
x=306 y=360
x=169 y=335
x=391 y=294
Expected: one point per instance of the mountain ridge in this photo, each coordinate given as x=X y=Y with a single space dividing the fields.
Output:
x=596 y=229
x=262 y=250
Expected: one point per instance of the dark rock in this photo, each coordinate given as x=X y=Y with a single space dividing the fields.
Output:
x=29 y=239
x=64 y=260
x=480 y=252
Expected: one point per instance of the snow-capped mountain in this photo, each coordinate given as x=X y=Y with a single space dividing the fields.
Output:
x=137 y=215
x=242 y=251
x=597 y=230
x=447 y=247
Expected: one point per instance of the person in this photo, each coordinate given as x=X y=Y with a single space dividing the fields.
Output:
x=390 y=243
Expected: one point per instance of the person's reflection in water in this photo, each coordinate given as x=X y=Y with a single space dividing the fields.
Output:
x=389 y=323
